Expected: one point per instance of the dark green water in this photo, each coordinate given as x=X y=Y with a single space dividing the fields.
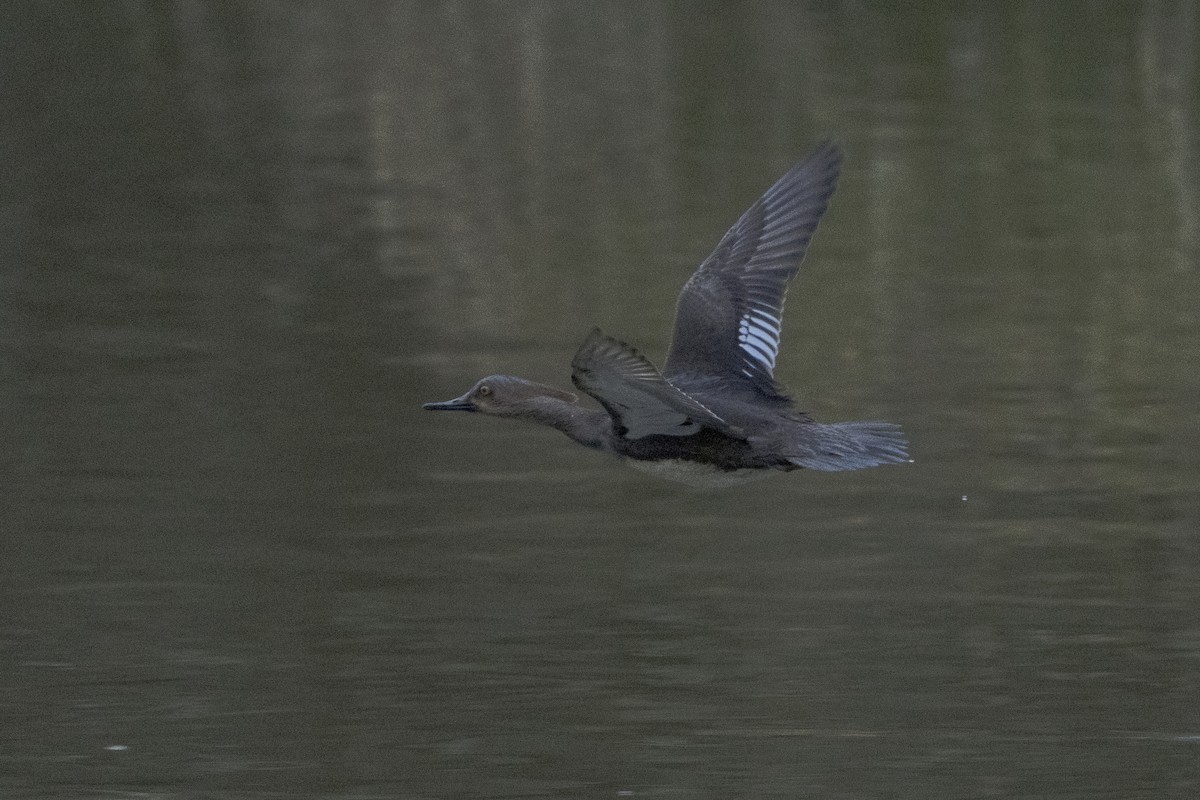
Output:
x=241 y=243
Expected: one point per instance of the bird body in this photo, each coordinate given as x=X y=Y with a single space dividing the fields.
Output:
x=715 y=414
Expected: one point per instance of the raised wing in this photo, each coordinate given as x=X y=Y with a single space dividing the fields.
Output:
x=640 y=401
x=730 y=313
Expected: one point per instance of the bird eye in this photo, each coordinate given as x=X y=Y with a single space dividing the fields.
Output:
x=485 y=390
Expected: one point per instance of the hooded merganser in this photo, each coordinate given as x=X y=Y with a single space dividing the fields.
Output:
x=715 y=414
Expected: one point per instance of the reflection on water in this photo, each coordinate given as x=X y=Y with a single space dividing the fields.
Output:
x=242 y=245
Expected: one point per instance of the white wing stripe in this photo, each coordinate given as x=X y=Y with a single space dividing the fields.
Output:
x=763 y=319
x=758 y=336
x=759 y=324
x=759 y=341
x=753 y=349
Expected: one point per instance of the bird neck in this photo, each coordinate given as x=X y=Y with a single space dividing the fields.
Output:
x=588 y=427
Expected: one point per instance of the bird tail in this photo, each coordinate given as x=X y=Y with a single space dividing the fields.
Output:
x=847 y=445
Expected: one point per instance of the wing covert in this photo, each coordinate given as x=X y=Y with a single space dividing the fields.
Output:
x=639 y=399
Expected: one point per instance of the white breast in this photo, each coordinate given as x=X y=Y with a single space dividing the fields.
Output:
x=702 y=476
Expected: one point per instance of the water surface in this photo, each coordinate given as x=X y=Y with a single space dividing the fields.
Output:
x=241 y=245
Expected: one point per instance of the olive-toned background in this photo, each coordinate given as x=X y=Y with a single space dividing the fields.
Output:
x=240 y=243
